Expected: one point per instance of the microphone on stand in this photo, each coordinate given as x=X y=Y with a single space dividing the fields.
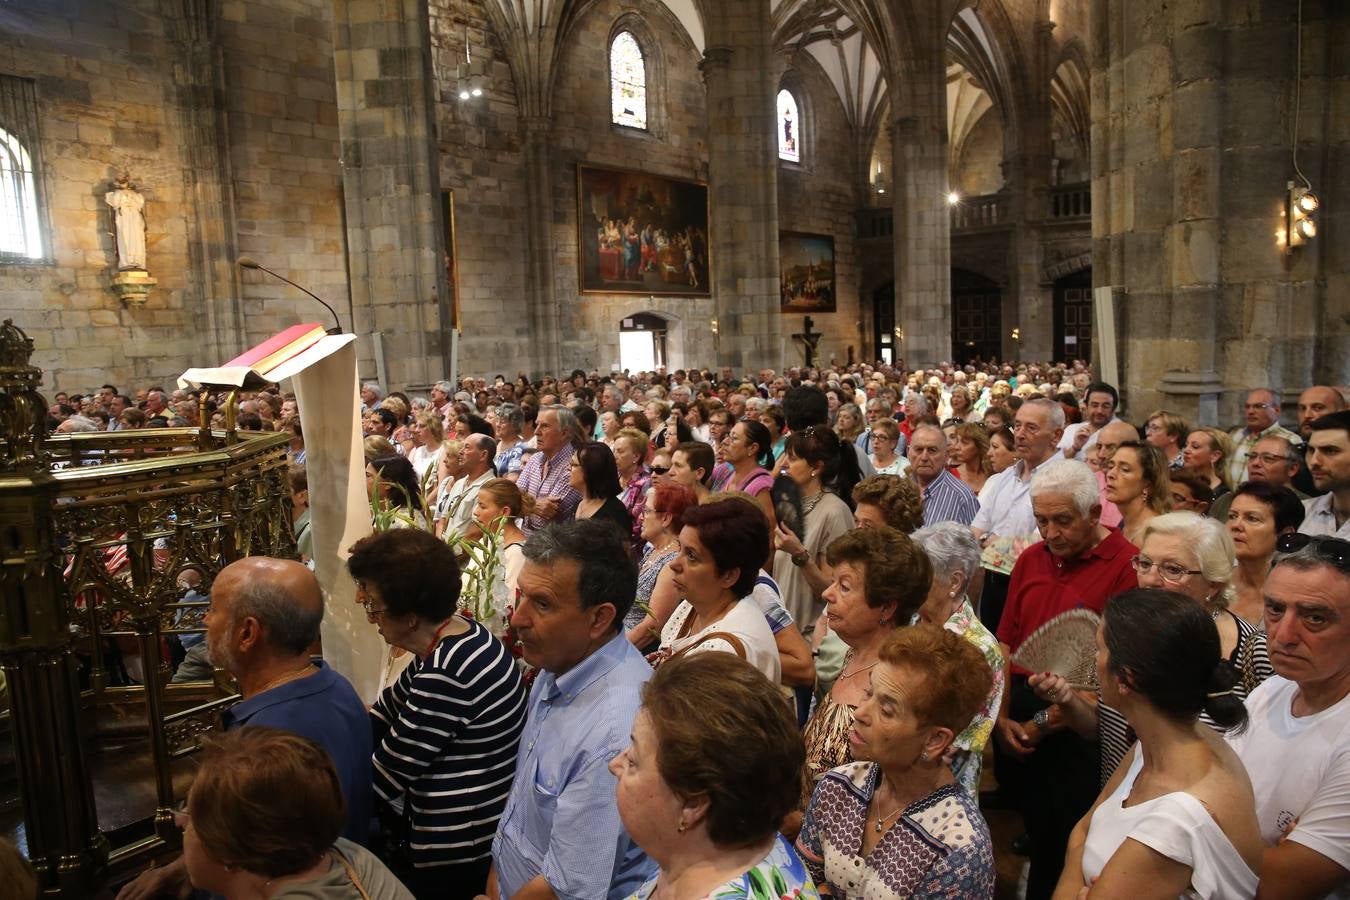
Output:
x=249 y=262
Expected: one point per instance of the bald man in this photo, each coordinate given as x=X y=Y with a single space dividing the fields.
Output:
x=1316 y=402
x=264 y=616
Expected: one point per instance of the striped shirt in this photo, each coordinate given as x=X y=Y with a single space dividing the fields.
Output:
x=1250 y=658
x=446 y=735
x=947 y=499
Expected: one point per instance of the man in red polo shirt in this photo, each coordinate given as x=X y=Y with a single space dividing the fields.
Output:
x=1080 y=563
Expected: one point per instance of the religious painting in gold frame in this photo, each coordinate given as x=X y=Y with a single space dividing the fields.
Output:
x=640 y=233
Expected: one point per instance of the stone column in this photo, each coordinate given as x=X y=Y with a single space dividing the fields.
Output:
x=391 y=184
x=1191 y=120
x=743 y=186
x=923 y=297
x=1028 y=304
x=207 y=178
x=546 y=354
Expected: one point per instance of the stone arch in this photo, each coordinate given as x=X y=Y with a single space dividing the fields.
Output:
x=654 y=65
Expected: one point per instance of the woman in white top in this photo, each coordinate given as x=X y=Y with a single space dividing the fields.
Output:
x=721 y=545
x=430 y=435
x=1178 y=818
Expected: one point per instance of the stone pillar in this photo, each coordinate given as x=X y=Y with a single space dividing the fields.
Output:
x=207 y=179
x=546 y=354
x=743 y=186
x=1191 y=120
x=1029 y=304
x=391 y=184
x=923 y=270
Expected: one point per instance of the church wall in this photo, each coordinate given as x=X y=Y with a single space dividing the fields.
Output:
x=281 y=109
x=1192 y=111
x=112 y=95
x=675 y=145
x=819 y=196
x=104 y=85
x=481 y=161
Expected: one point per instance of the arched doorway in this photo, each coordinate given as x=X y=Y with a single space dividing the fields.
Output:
x=642 y=342
x=1073 y=317
x=977 y=317
x=883 y=322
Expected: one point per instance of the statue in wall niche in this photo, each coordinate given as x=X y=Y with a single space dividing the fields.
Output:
x=129 y=222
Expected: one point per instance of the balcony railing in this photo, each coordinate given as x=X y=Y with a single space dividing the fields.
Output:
x=1071 y=201
x=975 y=213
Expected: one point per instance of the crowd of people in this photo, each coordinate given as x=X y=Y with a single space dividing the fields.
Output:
x=685 y=634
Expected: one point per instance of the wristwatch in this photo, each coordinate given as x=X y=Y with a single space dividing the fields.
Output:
x=1042 y=717
x=799 y=559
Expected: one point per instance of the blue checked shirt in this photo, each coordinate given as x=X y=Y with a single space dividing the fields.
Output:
x=948 y=499
x=561 y=820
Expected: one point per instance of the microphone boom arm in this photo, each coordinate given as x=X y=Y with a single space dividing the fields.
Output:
x=249 y=263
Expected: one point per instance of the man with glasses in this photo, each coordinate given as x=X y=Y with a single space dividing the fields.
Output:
x=878 y=408
x=1296 y=747
x=1329 y=463
x=1262 y=414
x=1274 y=461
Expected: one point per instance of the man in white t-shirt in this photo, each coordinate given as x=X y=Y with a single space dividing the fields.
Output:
x=1296 y=748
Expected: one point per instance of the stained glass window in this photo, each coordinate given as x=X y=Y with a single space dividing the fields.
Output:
x=789 y=128
x=627 y=82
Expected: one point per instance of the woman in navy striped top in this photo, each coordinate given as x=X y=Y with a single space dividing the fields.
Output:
x=446 y=732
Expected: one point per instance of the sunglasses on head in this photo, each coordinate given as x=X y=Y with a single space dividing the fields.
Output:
x=1328 y=549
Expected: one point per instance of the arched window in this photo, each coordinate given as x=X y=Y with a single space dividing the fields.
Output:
x=20 y=232
x=789 y=128
x=627 y=82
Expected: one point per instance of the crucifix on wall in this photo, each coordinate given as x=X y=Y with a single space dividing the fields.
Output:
x=809 y=340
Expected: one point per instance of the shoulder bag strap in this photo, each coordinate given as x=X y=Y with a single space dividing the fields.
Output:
x=351 y=874
x=735 y=642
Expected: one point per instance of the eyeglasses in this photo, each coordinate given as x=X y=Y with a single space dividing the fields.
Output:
x=1270 y=459
x=1327 y=549
x=660 y=470
x=1257 y=405
x=180 y=813
x=1171 y=572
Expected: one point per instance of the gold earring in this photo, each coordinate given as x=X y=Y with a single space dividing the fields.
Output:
x=681 y=828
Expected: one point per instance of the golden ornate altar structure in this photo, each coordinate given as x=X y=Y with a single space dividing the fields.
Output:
x=98 y=534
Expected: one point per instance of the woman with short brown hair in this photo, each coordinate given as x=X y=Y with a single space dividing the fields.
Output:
x=925 y=688
x=712 y=769
x=243 y=837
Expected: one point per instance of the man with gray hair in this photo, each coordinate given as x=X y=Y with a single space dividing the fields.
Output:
x=1079 y=564
x=371 y=395
x=1262 y=414
x=264 y=617
x=1005 y=523
x=441 y=392
x=547 y=475
x=1296 y=746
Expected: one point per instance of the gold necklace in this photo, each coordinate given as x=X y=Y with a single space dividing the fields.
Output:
x=882 y=819
x=283 y=679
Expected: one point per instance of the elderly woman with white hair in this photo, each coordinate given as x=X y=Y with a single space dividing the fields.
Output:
x=955 y=555
x=1192 y=555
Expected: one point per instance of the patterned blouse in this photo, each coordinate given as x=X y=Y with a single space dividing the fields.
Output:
x=648 y=571
x=634 y=498
x=778 y=876
x=939 y=847
x=966 y=766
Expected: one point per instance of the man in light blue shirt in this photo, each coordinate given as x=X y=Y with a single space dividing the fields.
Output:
x=560 y=835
